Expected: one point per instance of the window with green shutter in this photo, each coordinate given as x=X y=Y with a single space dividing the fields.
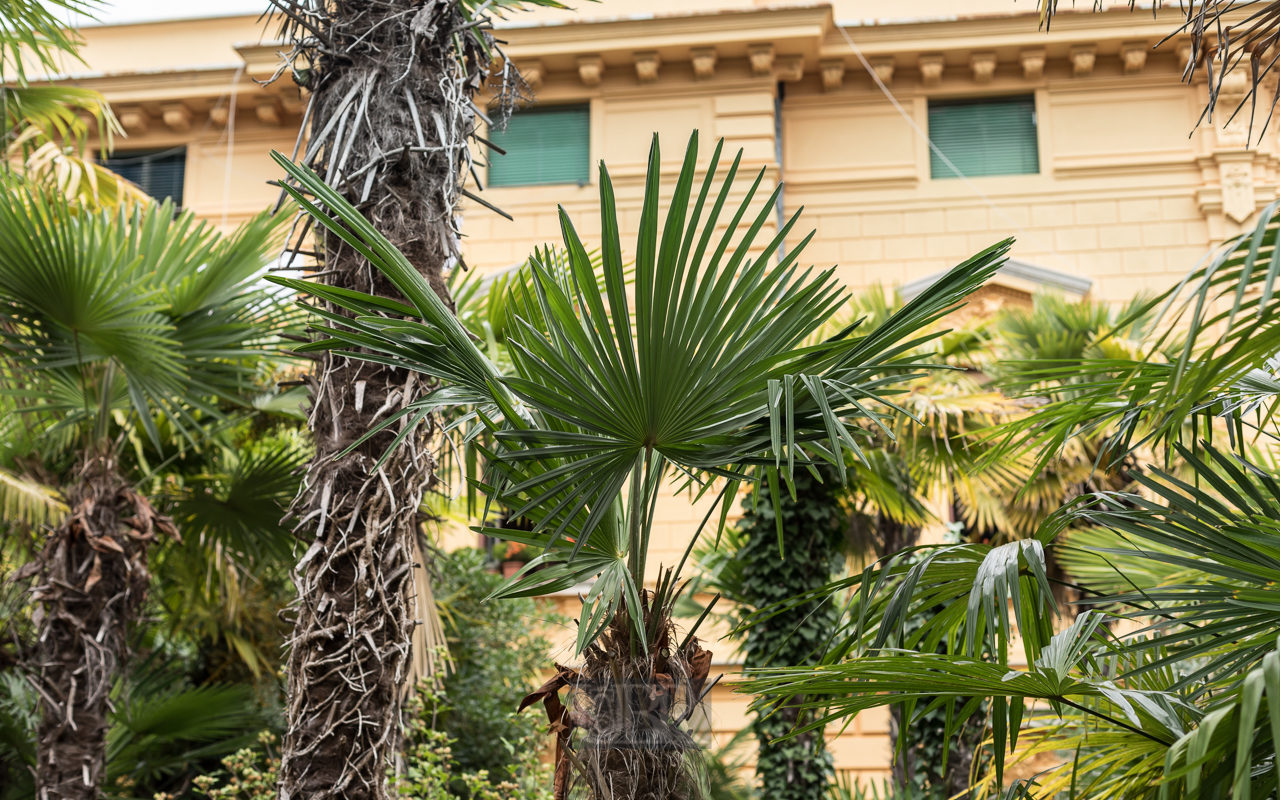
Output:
x=543 y=145
x=994 y=136
x=159 y=173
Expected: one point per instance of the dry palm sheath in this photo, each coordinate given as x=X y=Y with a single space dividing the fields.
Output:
x=701 y=367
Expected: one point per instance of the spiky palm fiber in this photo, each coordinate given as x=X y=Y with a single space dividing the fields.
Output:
x=91 y=578
x=620 y=736
x=391 y=114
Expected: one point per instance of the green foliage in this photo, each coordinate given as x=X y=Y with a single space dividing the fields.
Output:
x=1183 y=701
x=34 y=31
x=163 y=732
x=497 y=649
x=813 y=524
x=245 y=778
x=131 y=320
x=713 y=379
x=431 y=772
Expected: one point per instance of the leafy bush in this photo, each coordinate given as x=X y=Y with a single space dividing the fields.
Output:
x=497 y=652
x=430 y=769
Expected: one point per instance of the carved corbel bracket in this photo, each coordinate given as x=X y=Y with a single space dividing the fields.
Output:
x=788 y=68
x=1134 y=56
x=647 y=64
x=761 y=56
x=1082 y=58
x=983 y=66
x=883 y=68
x=590 y=70
x=832 y=74
x=704 y=62
x=931 y=67
x=177 y=116
x=1032 y=64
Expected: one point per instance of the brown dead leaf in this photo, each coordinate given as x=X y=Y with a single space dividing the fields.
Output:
x=95 y=574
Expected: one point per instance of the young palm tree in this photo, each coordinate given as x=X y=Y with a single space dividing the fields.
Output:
x=710 y=381
x=393 y=117
x=1174 y=707
x=116 y=327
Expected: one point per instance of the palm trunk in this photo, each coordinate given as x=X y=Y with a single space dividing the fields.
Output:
x=387 y=79
x=92 y=580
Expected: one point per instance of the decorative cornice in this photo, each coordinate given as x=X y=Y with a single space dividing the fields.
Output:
x=729 y=31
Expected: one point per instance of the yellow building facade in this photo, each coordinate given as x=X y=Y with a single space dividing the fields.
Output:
x=1115 y=190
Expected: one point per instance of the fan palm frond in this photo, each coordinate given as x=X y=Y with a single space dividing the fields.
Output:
x=139 y=304
x=714 y=378
x=32 y=32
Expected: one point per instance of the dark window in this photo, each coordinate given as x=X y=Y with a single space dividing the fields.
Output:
x=158 y=172
x=543 y=145
x=994 y=136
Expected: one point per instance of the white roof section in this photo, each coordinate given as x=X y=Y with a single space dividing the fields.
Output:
x=1021 y=271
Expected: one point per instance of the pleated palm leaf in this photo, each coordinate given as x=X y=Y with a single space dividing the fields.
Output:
x=700 y=374
x=222 y=585
x=120 y=329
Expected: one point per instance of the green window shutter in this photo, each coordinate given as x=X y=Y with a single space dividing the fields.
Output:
x=984 y=137
x=543 y=145
x=159 y=173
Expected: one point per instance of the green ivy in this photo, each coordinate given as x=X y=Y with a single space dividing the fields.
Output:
x=799 y=768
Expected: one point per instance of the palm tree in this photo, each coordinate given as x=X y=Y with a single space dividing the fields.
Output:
x=392 y=118
x=116 y=327
x=1175 y=705
x=714 y=384
x=43 y=133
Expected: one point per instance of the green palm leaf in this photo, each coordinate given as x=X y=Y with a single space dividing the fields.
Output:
x=136 y=309
x=701 y=368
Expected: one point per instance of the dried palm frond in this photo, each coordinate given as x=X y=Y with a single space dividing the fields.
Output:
x=26 y=500
x=1224 y=34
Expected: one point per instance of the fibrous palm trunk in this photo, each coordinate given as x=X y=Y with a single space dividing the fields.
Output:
x=390 y=118
x=92 y=577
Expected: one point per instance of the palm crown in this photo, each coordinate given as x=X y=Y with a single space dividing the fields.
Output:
x=701 y=370
x=134 y=318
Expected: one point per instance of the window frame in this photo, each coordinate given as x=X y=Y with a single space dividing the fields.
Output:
x=586 y=107
x=184 y=149
x=1032 y=97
